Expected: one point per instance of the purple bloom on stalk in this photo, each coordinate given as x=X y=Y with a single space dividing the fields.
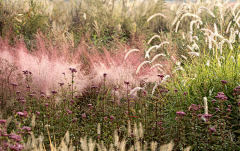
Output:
x=104 y=75
x=2 y=121
x=21 y=114
x=181 y=113
x=159 y=123
x=16 y=147
x=229 y=110
x=112 y=117
x=212 y=129
x=207 y=116
x=199 y=116
x=46 y=104
x=185 y=93
x=224 y=81
x=161 y=76
x=25 y=72
x=176 y=118
x=69 y=112
x=42 y=95
x=54 y=92
x=105 y=118
x=23 y=101
x=26 y=128
x=217 y=109
x=18 y=92
x=37 y=112
x=84 y=115
x=74 y=120
x=176 y=90
x=14 y=136
x=229 y=106
x=221 y=96
x=213 y=101
x=61 y=84
x=73 y=70
x=127 y=83
x=31 y=95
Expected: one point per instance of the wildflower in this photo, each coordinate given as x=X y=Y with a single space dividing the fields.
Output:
x=127 y=83
x=23 y=101
x=229 y=110
x=105 y=118
x=207 y=116
x=84 y=115
x=159 y=123
x=229 y=106
x=181 y=113
x=2 y=121
x=25 y=72
x=61 y=84
x=42 y=95
x=37 y=112
x=26 y=128
x=217 y=109
x=212 y=129
x=46 y=104
x=104 y=75
x=221 y=96
x=69 y=112
x=18 y=92
x=73 y=70
x=224 y=81
x=54 y=92
x=176 y=118
x=31 y=95
x=185 y=93
x=63 y=73
x=176 y=90
x=213 y=101
x=74 y=120
x=21 y=114
x=112 y=117
x=14 y=137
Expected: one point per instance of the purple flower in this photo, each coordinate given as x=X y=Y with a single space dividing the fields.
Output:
x=46 y=104
x=159 y=123
x=42 y=95
x=73 y=70
x=185 y=93
x=25 y=72
x=84 y=115
x=224 y=81
x=104 y=75
x=61 y=84
x=207 y=116
x=213 y=101
x=18 y=92
x=31 y=95
x=21 y=114
x=2 y=121
x=37 y=112
x=176 y=90
x=229 y=110
x=229 y=106
x=26 y=128
x=127 y=83
x=54 y=92
x=221 y=96
x=239 y=103
x=14 y=136
x=69 y=112
x=217 y=109
x=181 y=113
x=105 y=118
x=212 y=129
x=23 y=101
x=112 y=117
x=74 y=120
x=199 y=116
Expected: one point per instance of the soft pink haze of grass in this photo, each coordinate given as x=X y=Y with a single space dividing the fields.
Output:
x=48 y=64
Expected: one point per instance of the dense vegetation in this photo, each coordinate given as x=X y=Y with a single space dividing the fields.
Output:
x=169 y=75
